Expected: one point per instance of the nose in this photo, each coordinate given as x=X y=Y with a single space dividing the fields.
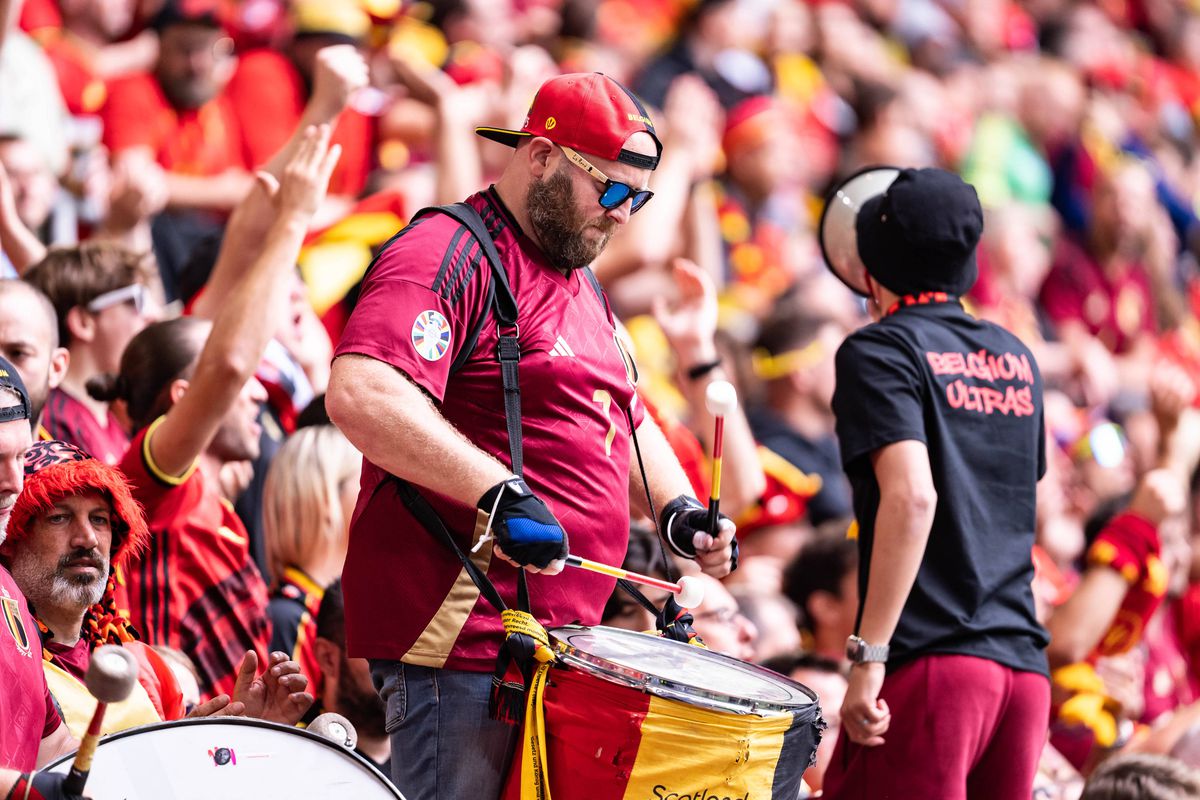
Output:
x=255 y=391
x=621 y=213
x=83 y=534
x=12 y=475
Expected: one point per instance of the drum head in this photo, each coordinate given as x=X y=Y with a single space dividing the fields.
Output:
x=228 y=758
x=679 y=671
x=836 y=231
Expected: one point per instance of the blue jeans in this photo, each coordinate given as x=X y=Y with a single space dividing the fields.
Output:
x=444 y=745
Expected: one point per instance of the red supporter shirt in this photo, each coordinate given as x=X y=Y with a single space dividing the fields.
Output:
x=68 y=420
x=27 y=712
x=201 y=142
x=268 y=96
x=407 y=596
x=195 y=587
x=1114 y=310
x=82 y=89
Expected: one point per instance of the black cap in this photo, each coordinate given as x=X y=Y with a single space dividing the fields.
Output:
x=10 y=378
x=920 y=235
x=186 y=12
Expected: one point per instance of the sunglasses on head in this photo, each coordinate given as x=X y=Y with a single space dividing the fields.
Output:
x=135 y=293
x=615 y=193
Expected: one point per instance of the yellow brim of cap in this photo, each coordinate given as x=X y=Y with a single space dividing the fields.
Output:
x=502 y=135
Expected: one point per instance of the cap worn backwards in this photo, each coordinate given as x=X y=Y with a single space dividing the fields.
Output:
x=588 y=112
x=11 y=379
x=920 y=235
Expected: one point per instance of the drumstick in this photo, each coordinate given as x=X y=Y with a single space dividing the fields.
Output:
x=689 y=592
x=110 y=678
x=721 y=400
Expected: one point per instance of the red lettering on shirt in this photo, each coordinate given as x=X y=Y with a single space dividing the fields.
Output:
x=1014 y=401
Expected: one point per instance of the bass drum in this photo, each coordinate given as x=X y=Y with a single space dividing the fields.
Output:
x=227 y=758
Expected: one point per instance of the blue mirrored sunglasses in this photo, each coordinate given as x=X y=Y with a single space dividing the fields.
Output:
x=615 y=192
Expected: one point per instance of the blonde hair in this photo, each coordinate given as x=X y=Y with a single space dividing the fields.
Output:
x=302 y=508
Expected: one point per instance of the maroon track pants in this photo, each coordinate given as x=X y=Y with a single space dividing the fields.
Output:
x=962 y=727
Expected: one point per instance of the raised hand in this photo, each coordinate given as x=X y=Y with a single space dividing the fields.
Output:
x=340 y=72
x=305 y=176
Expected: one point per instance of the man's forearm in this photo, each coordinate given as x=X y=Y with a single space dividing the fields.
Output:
x=666 y=477
x=395 y=425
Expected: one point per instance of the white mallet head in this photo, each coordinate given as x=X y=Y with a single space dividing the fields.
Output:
x=720 y=398
x=691 y=592
x=336 y=728
x=111 y=674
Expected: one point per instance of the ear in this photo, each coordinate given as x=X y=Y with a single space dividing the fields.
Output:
x=178 y=389
x=540 y=153
x=328 y=658
x=60 y=359
x=821 y=608
x=81 y=324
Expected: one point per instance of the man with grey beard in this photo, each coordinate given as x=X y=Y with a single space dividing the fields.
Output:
x=32 y=733
x=73 y=527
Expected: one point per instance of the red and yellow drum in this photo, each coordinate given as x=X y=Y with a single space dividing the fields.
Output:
x=625 y=715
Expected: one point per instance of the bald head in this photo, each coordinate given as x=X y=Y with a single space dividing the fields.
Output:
x=29 y=339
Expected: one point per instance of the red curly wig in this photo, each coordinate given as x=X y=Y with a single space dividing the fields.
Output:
x=54 y=470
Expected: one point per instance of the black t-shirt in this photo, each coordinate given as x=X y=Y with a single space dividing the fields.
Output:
x=970 y=391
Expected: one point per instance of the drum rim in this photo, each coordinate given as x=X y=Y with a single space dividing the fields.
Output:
x=246 y=721
x=670 y=688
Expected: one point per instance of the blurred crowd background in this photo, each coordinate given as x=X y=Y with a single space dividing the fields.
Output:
x=130 y=131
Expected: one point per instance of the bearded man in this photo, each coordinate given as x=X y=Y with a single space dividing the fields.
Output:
x=420 y=385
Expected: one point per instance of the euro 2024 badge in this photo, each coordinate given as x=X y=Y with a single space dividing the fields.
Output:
x=431 y=335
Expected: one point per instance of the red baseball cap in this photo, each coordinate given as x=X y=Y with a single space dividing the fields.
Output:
x=588 y=112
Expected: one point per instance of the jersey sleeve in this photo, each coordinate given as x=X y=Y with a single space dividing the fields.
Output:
x=53 y=718
x=420 y=303
x=878 y=395
x=131 y=114
x=266 y=97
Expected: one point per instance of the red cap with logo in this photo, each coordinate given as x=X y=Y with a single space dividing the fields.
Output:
x=588 y=112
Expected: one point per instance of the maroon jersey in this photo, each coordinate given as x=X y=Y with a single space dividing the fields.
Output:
x=27 y=712
x=69 y=420
x=407 y=596
x=195 y=588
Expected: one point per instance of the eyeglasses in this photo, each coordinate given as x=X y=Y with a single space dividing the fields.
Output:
x=725 y=616
x=615 y=193
x=135 y=293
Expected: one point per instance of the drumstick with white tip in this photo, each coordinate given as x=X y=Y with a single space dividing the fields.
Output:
x=110 y=678
x=721 y=400
x=689 y=592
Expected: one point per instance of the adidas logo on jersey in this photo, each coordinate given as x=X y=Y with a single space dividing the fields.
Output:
x=561 y=348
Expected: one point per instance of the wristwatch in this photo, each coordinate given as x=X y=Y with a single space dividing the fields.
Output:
x=859 y=652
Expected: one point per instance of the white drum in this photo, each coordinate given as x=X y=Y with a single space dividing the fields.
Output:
x=227 y=758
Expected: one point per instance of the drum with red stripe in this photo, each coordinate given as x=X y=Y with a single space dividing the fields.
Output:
x=625 y=715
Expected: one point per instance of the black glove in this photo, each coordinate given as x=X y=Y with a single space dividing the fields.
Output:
x=681 y=520
x=42 y=786
x=523 y=526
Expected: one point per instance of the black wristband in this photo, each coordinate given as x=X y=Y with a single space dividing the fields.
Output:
x=700 y=370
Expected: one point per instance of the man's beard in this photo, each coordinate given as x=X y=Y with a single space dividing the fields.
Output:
x=59 y=590
x=362 y=707
x=559 y=227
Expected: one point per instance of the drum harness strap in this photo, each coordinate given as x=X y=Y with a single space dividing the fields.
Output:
x=526 y=641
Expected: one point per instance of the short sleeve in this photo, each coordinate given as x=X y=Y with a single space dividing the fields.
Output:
x=131 y=114
x=419 y=303
x=53 y=718
x=878 y=395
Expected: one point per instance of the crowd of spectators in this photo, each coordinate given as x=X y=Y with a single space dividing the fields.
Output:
x=135 y=214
